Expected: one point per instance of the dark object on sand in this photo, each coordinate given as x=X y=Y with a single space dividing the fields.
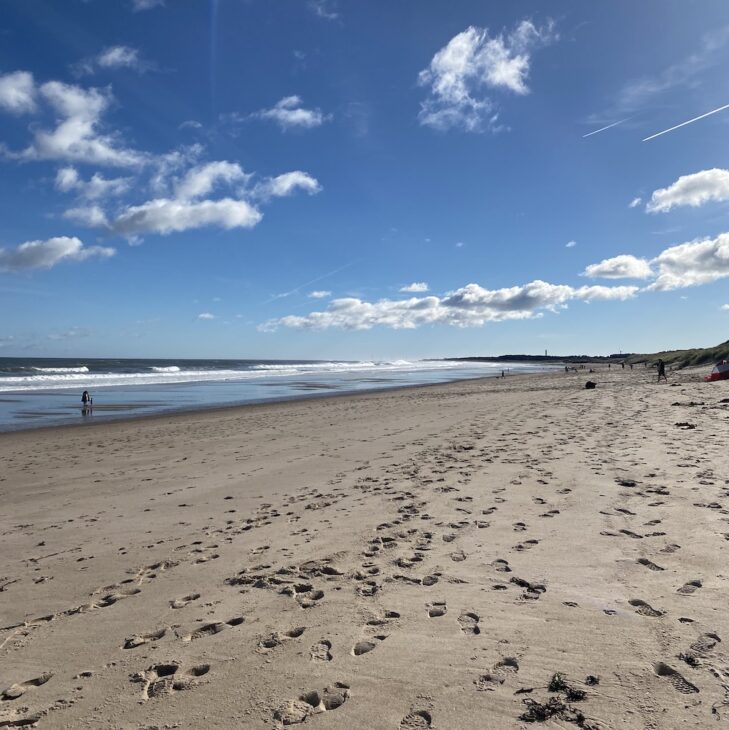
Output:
x=590 y=385
x=685 y=425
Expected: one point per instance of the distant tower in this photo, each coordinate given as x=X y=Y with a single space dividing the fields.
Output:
x=545 y=353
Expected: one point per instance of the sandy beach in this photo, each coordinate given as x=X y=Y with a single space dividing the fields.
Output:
x=483 y=554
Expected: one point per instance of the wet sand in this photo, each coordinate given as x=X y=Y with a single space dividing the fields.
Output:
x=482 y=554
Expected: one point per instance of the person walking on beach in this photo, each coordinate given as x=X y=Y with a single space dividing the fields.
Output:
x=86 y=403
x=662 y=371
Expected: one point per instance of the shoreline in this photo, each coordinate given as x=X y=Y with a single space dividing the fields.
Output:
x=183 y=411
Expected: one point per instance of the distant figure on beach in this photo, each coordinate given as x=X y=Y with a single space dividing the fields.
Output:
x=662 y=371
x=87 y=403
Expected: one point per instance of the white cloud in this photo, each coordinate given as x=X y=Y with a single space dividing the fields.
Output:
x=164 y=216
x=76 y=137
x=471 y=62
x=724 y=307
x=112 y=58
x=692 y=190
x=570 y=244
x=692 y=263
x=415 y=287
x=205 y=315
x=319 y=294
x=138 y=5
x=624 y=266
x=635 y=202
x=284 y=185
x=17 y=92
x=119 y=57
x=68 y=180
x=289 y=113
x=324 y=8
x=92 y=216
x=190 y=124
x=202 y=179
x=470 y=306
x=46 y=254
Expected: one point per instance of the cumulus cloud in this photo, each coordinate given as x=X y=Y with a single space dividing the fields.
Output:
x=624 y=266
x=97 y=187
x=692 y=263
x=570 y=244
x=17 y=92
x=319 y=294
x=77 y=137
x=415 y=287
x=472 y=62
x=470 y=306
x=112 y=58
x=165 y=216
x=289 y=113
x=287 y=184
x=205 y=315
x=692 y=190
x=724 y=307
x=686 y=264
x=46 y=254
x=202 y=179
x=635 y=202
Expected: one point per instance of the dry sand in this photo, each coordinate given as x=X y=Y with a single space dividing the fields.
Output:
x=429 y=557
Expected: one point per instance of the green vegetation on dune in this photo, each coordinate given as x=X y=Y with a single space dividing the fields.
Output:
x=685 y=358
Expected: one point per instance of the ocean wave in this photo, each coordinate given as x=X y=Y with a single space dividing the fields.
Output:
x=80 y=378
x=82 y=369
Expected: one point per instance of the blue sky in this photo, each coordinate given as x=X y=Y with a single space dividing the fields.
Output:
x=341 y=179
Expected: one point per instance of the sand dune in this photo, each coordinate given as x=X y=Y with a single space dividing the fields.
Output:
x=484 y=554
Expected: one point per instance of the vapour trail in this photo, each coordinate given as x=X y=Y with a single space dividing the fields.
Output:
x=602 y=129
x=309 y=283
x=690 y=121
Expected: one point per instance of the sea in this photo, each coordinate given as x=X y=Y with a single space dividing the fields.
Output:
x=47 y=392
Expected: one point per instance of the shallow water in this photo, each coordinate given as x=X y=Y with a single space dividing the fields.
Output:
x=36 y=393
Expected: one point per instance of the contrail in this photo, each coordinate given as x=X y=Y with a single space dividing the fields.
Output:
x=602 y=129
x=313 y=281
x=683 y=124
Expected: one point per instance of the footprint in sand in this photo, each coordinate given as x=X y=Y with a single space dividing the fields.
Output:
x=213 y=628
x=497 y=676
x=276 y=639
x=164 y=679
x=436 y=609
x=20 y=688
x=364 y=647
x=469 y=623
x=705 y=643
x=645 y=609
x=297 y=711
x=140 y=639
x=320 y=652
x=688 y=588
x=111 y=598
x=182 y=602
x=678 y=681
x=415 y=720
x=649 y=564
